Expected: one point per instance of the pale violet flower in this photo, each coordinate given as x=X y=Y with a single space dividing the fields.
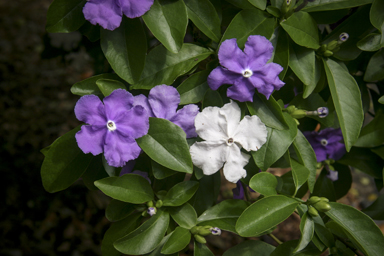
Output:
x=224 y=136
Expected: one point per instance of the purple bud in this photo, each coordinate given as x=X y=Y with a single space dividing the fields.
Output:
x=333 y=175
x=151 y=211
x=215 y=231
x=322 y=112
x=343 y=37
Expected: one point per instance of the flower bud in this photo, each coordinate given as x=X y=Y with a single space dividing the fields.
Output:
x=322 y=112
x=194 y=230
x=328 y=53
x=215 y=231
x=204 y=231
x=150 y=204
x=200 y=239
x=332 y=45
x=151 y=211
x=343 y=37
x=322 y=206
x=324 y=199
x=314 y=199
x=312 y=211
x=324 y=47
x=159 y=204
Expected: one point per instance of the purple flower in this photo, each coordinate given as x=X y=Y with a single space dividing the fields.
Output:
x=128 y=168
x=109 y=13
x=163 y=101
x=333 y=175
x=247 y=70
x=238 y=191
x=326 y=144
x=113 y=126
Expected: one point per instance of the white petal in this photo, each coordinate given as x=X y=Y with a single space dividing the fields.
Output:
x=209 y=155
x=232 y=114
x=251 y=134
x=234 y=167
x=210 y=125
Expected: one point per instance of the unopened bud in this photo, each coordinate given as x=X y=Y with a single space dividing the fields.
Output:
x=343 y=37
x=151 y=211
x=200 y=239
x=314 y=199
x=204 y=231
x=215 y=231
x=194 y=230
x=159 y=204
x=322 y=112
x=328 y=53
x=150 y=204
x=332 y=45
x=312 y=211
x=322 y=206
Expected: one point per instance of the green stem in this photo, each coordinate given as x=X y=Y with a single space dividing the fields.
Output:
x=246 y=192
x=275 y=238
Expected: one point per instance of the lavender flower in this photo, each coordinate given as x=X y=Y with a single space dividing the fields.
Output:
x=215 y=231
x=113 y=126
x=247 y=70
x=238 y=191
x=109 y=13
x=151 y=211
x=163 y=101
x=333 y=175
x=326 y=144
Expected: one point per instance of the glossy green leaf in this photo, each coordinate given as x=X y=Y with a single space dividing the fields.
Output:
x=177 y=241
x=381 y=100
x=287 y=249
x=347 y=100
x=107 y=86
x=224 y=214
x=249 y=248
x=302 y=28
x=118 y=210
x=307 y=229
x=324 y=235
x=370 y=43
x=265 y=183
x=64 y=163
x=299 y=172
x=277 y=144
x=89 y=86
x=265 y=214
x=344 y=182
x=243 y=4
x=269 y=111
x=184 y=215
x=201 y=250
x=95 y=171
x=168 y=22
x=157 y=251
x=193 y=89
x=65 y=16
x=323 y=5
x=161 y=172
x=163 y=67
x=166 y=144
x=130 y=188
x=376 y=14
x=324 y=187
x=203 y=14
x=138 y=242
x=212 y=99
x=376 y=209
x=363 y=232
x=281 y=50
x=125 y=49
x=249 y=22
x=261 y=4
x=372 y=135
x=92 y=32
x=375 y=66
x=180 y=193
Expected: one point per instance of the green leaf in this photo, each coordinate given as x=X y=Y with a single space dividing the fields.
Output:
x=125 y=49
x=261 y=4
x=249 y=22
x=363 y=232
x=299 y=172
x=277 y=144
x=329 y=17
x=168 y=22
x=324 y=235
x=89 y=86
x=201 y=250
x=269 y=111
x=180 y=193
x=212 y=99
x=243 y=4
x=265 y=214
x=370 y=43
x=163 y=67
x=265 y=183
x=118 y=210
x=344 y=182
x=281 y=50
x=95 y=171
x=347 y=100
x=116 y=231
x=177 y=241
x=166 y=144
x=64 y=163
x=157 y=251
x=193 y=89
x=381 y=100
x=376 y=14
x=65 y=16
x=107 y=86
x=130 y=188
x=307 y=229
x=376 y=209
x=146 y=237
x=321 y=5
x=224 y=214
x=302 y=28
x=372 y=135
x=161 y=172
x=92 y=32
x=324 y=187
x=287 y=249
x=249 y=248
x=203 y=14
x=184 y=215
x=375 y=66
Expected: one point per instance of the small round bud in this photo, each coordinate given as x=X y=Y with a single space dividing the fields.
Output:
x=332 y=45
x=324 y=47
x=194 y=230
x=312 y=211
x=200 y=239
x=151 y=211
x=314 y=199
x=150 y=204
x=328 y=53
x=324 y=199
x=322 y=206
x=343 y=37
x=215 y=231
x=322 y=112
x=204 y=231
x=159 y=204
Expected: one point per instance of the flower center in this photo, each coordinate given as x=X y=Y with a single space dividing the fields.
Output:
x=324 y=142
x=111 y=125
x=230 y=141
x=247 y=73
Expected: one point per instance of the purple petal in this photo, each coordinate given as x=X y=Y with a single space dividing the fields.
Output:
x=238 y=192
x=106 y=13
x=133 y=123
x=336 y=150
x=128 y=167
x=266 y=79
x=143 y=101
x=117 y=103
x=164 y=101
x=259 y=50
x=220 y=76
x=119 y=149
x=185 y=118
x=231 y=57
x=242 y=90
x=90 y=110
x=331 y=135
x=90 y=138
x=135 y=8
x=320 y=151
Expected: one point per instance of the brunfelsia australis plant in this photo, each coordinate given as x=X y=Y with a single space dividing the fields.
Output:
x=261 y=84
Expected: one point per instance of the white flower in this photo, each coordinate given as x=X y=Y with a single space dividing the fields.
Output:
x=224 y=136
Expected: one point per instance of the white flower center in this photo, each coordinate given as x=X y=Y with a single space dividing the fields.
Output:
x=324 y=142
x=247 y=73
x=111 y=125
x=230 y=141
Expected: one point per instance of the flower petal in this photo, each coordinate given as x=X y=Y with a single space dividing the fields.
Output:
x=210 y=125
x=231 y=57
x=103 y=12
x=234 y=167
x=90 y=139
x=90 y=110
x=251 y=133
x=135 y=8
x=242 y=90
x=259 y=50
x=143 y=101
x=336 y=150
x=133 y=123
x=119 y=149
x=209 y=155
x=185 y=118
x=164 y=101
x=118 y=102
x=238 y=192
x=220 y=76
x=266 y=79
x=232 y=113
x=320 y=151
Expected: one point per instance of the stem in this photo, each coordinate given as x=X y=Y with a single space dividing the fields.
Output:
x=246 y=192
x=275 y=238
